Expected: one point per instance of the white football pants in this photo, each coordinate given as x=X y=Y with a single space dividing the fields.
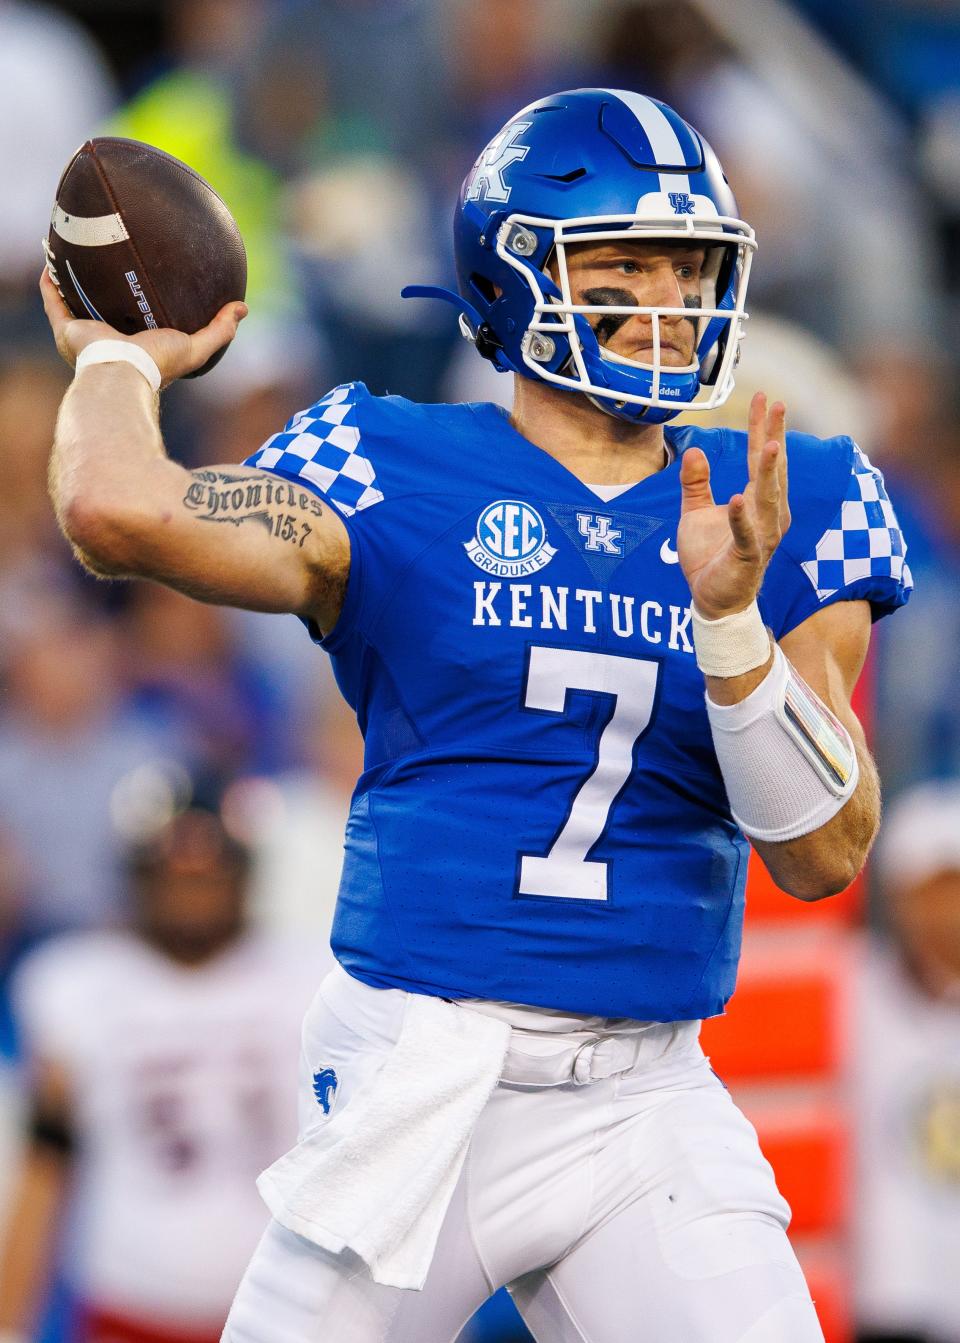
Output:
x=635 y=1208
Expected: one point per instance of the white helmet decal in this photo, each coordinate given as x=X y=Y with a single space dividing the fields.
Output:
x=486 y=182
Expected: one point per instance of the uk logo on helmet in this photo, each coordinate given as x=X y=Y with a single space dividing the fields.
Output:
x=682 y=202
x=511 y=540
x=487 y=181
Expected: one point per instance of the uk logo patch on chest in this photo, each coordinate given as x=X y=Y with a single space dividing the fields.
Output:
x=510 y=540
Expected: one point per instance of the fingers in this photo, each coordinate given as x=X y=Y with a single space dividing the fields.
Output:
x=775 y=439
x=763 y=424
x=745 y=538
x=777 y=431
x=776 y=422
x=768 y=426
x=756 y=437
x=215 y=334
x=58 y=314
x=767 y=483
x=695 y=491
x=175 y=352
x=764 y=498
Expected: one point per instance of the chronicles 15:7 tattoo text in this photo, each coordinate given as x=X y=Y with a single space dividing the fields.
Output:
x=214 y=496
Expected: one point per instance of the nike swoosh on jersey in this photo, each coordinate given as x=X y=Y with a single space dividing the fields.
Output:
x=668 y=554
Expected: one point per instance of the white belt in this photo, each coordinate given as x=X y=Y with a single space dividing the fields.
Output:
x=583 y=1058
x=539 y=1054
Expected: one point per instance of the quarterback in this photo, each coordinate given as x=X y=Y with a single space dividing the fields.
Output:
x=592 y=655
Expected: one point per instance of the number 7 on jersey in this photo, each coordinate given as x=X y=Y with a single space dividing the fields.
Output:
x=565 y=871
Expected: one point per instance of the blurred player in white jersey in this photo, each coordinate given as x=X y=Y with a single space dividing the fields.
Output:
x=159 y=1060
x=590 y=653
x=906 y=1068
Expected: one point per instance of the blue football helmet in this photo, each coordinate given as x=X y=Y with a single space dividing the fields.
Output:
x=596 y=165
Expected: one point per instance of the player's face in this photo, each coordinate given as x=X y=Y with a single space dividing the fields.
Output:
x=641 y=274
x=928 y=922
x=192 y=914
x=191 y=900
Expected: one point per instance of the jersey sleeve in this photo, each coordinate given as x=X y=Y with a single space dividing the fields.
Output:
x=322 y=447
x=844 y=544
x=44 y=996
x=345 y=449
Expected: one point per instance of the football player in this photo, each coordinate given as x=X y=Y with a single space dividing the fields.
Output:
x=156 y=1053
x=591 y=654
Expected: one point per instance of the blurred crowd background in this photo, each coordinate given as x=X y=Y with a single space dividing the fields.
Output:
x=338 y=132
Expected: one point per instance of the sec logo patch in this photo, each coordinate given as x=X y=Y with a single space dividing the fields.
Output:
x=510 y=541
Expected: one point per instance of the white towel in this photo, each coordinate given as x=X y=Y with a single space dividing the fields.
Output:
x=378 y=1178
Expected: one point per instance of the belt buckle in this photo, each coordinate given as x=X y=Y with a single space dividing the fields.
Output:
x=583 y=1060
x=621 y=1055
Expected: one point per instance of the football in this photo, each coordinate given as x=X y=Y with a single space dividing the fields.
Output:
x=139 y=240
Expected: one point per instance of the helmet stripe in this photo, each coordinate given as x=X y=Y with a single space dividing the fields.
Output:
x=664 y=140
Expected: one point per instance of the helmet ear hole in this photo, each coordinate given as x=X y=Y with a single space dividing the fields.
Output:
x=725 y=270
x=484 y=287
x=718 y=276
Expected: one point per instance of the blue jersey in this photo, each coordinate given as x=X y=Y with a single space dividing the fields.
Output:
x=541 y=818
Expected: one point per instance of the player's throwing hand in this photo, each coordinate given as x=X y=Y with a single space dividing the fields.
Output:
x=725 y=549
x=174 y=352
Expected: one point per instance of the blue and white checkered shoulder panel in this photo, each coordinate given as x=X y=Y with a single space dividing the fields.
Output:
x=865 y=540
x=322 y=445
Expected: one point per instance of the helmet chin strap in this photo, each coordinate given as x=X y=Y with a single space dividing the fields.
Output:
x=447 y=296
x=602 y=404
x=609 y=408
x=480 y=332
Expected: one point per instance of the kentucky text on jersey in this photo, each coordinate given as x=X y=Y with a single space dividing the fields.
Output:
x=541 y=818
x=585 y=609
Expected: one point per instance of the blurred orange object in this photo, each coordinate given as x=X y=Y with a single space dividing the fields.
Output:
x=808 y=1149
x=784 y=1019
x=767 y=903
x=100 y=1327
x=830 y=1289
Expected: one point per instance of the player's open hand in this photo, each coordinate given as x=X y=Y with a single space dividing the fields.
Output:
x=724 y=549
x=174 y=352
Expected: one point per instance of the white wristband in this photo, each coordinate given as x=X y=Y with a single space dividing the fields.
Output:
x=120 y=352
x=788 y=764
x=731 y=645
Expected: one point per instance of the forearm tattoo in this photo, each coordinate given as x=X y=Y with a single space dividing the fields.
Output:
x=214 y=496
